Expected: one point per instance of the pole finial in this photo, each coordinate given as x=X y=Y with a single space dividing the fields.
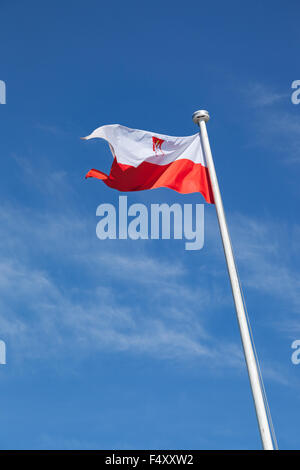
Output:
x=200 y=115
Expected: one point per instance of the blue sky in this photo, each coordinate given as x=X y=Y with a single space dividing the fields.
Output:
x=134 y=344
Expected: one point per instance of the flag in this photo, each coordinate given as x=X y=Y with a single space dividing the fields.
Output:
x=147 y=160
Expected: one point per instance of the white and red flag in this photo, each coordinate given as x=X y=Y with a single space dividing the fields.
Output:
x=147 y=160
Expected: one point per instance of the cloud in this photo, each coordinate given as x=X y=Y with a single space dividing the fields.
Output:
x=51 y=129
x=280 y=132
x=261 y=252
x=121 y=302
x=277 y=123
x=127 y=302
x=259 y=96
x=265 y=265
x=62 y=289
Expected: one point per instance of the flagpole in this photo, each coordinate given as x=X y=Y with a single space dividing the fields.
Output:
x=200 y=118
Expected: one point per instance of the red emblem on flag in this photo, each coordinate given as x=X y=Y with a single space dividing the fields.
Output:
x=157 y=143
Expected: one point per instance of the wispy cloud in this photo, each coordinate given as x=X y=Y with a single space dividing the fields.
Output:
x=261 y=248
x=263 y=261
x=38 y=309
x=277 y=123
x=51 y=129
x=60 y=290
x=259 y=95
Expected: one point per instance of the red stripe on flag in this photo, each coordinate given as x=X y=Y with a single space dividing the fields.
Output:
x=182 y=175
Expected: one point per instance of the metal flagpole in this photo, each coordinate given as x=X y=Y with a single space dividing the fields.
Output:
x=200 y=118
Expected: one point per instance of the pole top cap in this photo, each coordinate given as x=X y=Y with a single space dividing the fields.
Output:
x=200 y=115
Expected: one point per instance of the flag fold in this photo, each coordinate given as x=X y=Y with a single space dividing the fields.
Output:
x=148 y=160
